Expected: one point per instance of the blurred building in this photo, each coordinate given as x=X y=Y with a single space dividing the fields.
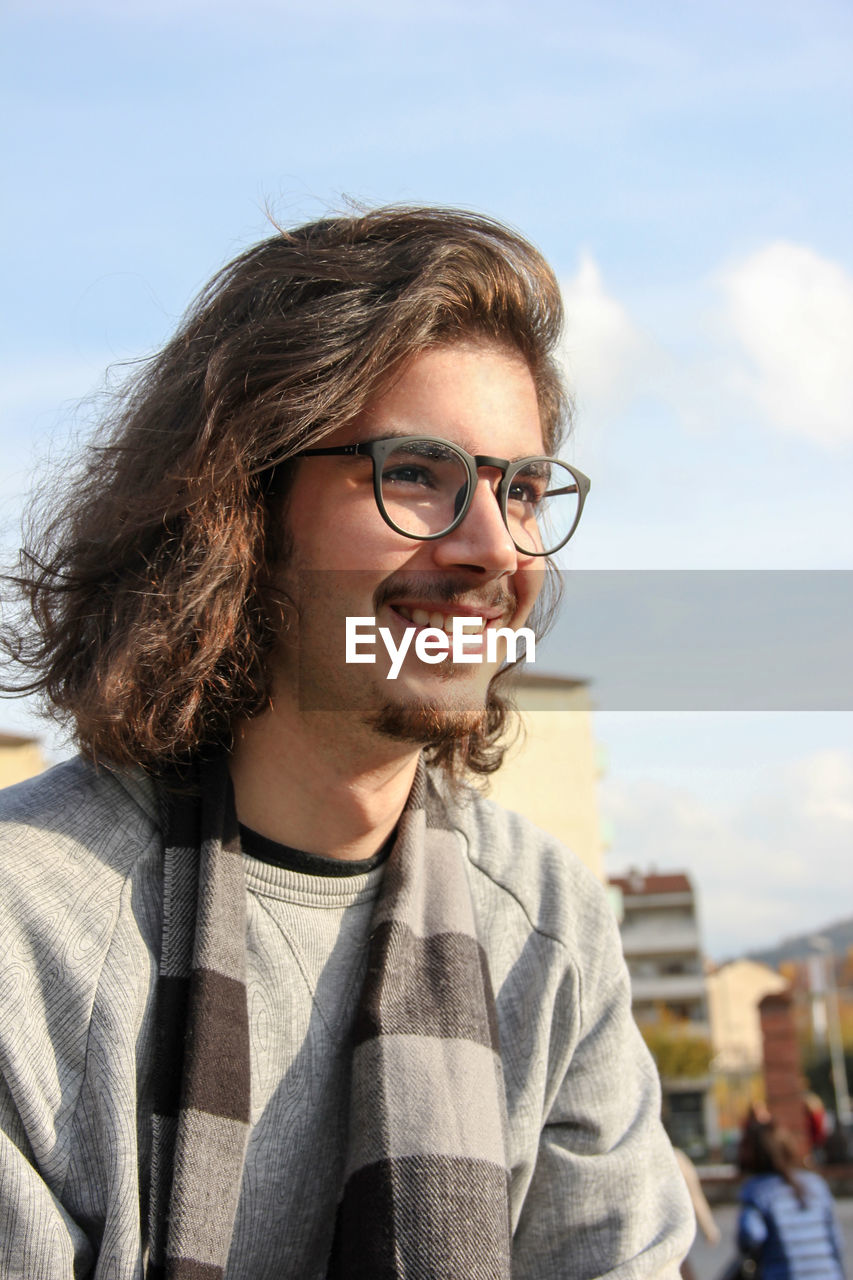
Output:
x=735 y=991
x=663 y=950
x=20 y=758
x=551 y=772
x=663 y=947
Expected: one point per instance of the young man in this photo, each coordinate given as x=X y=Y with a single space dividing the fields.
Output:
x=282 y=995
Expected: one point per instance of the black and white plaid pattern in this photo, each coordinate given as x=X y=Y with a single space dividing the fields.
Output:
x=426 y=1184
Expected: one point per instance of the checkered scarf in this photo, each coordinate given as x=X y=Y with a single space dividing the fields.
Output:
x=425 y=1184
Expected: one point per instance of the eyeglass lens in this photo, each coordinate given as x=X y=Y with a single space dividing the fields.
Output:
x=424 y=486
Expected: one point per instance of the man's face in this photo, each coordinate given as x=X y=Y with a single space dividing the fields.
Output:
x=347 y=562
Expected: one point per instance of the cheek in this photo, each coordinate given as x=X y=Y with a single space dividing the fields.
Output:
x=323 y=535
x=348 y=533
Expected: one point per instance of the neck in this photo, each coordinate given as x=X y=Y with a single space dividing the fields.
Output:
x=302 y=780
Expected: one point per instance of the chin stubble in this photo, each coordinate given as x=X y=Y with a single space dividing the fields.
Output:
x=428 y=724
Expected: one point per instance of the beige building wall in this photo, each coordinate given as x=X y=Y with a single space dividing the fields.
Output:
x=734 y=991
x=20 y=758
x=551 y=774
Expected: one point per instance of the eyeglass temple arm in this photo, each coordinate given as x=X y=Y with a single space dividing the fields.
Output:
x=347 y=449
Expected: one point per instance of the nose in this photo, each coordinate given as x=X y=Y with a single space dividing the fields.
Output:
x=482 y=541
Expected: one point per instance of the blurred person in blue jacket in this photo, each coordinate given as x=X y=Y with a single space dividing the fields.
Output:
x=787 y=1221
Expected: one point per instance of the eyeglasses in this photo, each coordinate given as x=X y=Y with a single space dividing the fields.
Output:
x=424 y=487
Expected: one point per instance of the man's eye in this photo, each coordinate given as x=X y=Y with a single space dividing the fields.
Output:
x=529 y=492
x=409 y=474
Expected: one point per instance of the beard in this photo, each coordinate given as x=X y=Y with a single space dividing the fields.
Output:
x=426 y=724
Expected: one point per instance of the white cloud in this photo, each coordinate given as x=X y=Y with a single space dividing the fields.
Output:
x=767 y=866
x=608 y=357
x=791 y=311
x=780 y=348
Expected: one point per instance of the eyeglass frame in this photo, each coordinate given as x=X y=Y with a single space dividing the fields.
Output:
x=379 y=449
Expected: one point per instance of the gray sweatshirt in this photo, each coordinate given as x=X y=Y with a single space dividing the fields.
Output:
x=594 y=1187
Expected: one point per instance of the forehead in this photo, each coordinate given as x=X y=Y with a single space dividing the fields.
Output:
x=479 y=395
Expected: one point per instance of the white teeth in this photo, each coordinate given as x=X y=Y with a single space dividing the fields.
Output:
x=444 y=621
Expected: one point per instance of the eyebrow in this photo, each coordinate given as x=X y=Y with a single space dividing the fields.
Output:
x=391 y=434
x=539 y=466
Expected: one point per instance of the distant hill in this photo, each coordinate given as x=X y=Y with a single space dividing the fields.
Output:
x=840 y=936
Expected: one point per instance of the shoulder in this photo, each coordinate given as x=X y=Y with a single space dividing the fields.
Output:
x=749 y=1188
x=813 y=1185
x=758 y=1182
x=534 y=874
x=79 y=801
x=80 y=866
x=762 y=1190
x=72 y=832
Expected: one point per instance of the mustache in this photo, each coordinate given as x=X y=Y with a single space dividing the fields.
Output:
x=443 y=590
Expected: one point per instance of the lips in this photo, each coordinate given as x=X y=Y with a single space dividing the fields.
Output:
x=424 y=613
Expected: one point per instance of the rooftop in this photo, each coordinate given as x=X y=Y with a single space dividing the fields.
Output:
x=637 y=884
x=16 y=740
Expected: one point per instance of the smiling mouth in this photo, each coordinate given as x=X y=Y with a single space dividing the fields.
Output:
x=442 y=621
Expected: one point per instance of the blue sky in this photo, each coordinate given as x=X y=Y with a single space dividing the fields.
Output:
x=684 y=166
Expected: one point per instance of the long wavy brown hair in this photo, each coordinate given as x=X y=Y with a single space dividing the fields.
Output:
x=143 y=618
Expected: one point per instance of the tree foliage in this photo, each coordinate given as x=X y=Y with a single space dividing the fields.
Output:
x=678 y=1052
